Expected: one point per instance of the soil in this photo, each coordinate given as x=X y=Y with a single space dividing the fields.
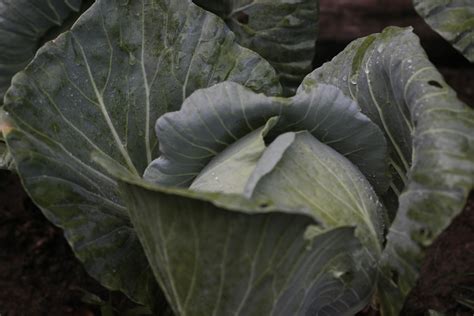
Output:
x=39 y=274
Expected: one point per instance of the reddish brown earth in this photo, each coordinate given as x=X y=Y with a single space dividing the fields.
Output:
x=39 y=274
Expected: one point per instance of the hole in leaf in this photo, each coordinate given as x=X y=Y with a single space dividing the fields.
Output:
x=435 y=84
x=243 y=18
x=264 y=205
x=395 y=276
x=425 y=236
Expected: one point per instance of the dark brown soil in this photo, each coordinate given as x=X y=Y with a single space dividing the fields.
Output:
x=447 y=275
x=39 y=275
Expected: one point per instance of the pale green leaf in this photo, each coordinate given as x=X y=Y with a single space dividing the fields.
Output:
x=312 y=175
x=219 y=254
x=229 y=171
x=214 y=118
x=99 y=89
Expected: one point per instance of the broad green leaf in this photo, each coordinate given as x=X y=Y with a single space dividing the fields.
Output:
x=453 y=20
x=283 y=32
x=310 y=174
x=296 y=171
x=98 y=89
x=430 y=133
x=227 y=112
x=219 y=254
x=22 y=24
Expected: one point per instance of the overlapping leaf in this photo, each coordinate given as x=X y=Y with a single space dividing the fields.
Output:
x=22 y=24
x=283 y=32
x=430 y=133
x=212 y=119
x=100 y=88
x=453 y=20
x=222 y=133
x=219 y=254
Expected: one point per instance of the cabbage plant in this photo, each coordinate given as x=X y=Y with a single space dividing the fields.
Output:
x=186 y=175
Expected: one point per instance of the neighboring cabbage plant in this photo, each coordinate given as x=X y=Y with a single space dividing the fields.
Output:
x=453 y=20
x=23 y=26
x=281 y=31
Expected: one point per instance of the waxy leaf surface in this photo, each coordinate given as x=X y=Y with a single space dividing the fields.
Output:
x=431 y=136
x=98 y=89
x=453 y=20
x=283 y=32
x=216 y=254
x=212 y=119
x=22 y=24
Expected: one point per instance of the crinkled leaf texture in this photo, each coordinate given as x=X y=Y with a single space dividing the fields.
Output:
x=453 y=20
x=98 y=89
x=22 y=24
x=273 y=152
x=431 y=135
x=283 y=32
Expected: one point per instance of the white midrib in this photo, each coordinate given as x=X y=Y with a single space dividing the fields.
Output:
x=106 y=115
x=193 y=57
x=384 y=123
x=147 y=90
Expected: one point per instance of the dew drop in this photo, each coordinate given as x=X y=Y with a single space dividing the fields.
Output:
x=381 y=48
x=354 y=79
x=131 y=59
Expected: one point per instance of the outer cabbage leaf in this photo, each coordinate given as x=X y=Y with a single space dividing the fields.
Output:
x=217 y=254
x=22 y=24
x=283 y=32
x=453 y=20
x=430 y=133
x=228 y=112
x=97 y=89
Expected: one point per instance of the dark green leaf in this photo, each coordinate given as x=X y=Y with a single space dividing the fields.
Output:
x=283 y=32
x=453 y=20
x=99 y=89
x=22 y=24
x=431 y=136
